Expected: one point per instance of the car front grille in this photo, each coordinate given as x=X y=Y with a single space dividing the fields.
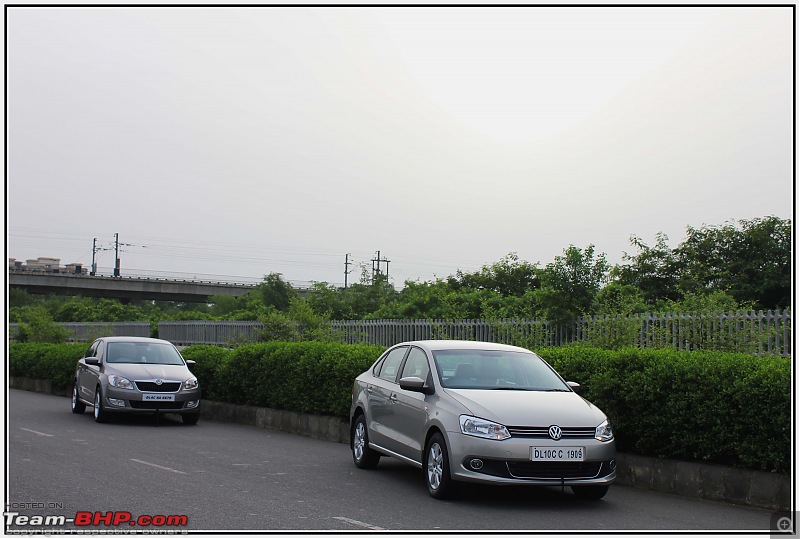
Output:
x=152 y=387
x=541 y=432
x=554 y=470
x=156 y=405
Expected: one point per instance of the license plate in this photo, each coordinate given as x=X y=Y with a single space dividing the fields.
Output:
x=558 y=454
x=158 y=397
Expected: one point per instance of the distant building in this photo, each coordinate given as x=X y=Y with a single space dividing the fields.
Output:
x=46 y=264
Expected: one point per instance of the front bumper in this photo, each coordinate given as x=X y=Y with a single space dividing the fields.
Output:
x=509 y=461
x=132 y=401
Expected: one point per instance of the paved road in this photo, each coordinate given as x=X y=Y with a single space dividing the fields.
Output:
x=233 y=477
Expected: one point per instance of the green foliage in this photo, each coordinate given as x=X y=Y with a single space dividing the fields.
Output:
x=18 y=297
x=570 y=284
x=212 y=370
x=78 y=309
x=653 y=270
x=508 y=277
x=749 y=260
x=731 y=409
x=715 y=301
x=36 y=325
x=275 y=292
x=54 y=362
x=310 y=377
x=278 y=326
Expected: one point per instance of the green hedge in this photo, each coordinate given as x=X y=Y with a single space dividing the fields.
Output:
x=731 y=409
x=310 y=377
x=54 y=362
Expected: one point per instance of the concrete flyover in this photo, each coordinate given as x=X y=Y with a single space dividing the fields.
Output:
x=124 y=288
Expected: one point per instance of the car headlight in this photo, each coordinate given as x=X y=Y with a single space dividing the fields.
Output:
x=120 y=382
x=603 y=432
x=475 y=426
x=191 y=383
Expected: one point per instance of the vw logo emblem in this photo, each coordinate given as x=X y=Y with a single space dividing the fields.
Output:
x=160 y=381
x=554 y=432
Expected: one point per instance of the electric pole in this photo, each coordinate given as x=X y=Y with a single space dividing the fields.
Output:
x=376 y=267
x=116 y=254
x=347 y=263
x=94 y=264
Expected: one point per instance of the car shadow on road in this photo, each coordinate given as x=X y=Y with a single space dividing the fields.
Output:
x=403 y=476
x=143 y=420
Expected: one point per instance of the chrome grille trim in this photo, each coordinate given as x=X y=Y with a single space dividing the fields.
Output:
x=541 y=432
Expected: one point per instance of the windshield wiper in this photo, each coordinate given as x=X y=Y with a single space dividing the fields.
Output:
x=509 y=388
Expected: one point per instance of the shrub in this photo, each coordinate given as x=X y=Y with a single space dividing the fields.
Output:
x=310 y=377
x=211 y=370
x=54 y=362
x=37 y=326
x=731 y=409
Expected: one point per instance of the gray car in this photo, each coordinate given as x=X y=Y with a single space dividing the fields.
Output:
x=135 y=375
x=480 y=412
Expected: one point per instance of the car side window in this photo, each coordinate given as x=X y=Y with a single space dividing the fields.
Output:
x=391 y=364
x=416 y=365
x=98 y=351
x=92 y=350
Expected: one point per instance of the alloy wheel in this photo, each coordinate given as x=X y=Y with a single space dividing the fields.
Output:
x=435 y=461
x=358 y=442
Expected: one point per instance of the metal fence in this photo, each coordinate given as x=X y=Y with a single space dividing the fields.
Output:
x=89 y=331
x=207 y=332
x=759 y=332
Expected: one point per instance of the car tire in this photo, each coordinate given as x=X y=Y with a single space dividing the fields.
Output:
x=437 y=469
x=590 y=492
x=100 y=415
x=363 y=457
x=190 y=419
x=77 y=406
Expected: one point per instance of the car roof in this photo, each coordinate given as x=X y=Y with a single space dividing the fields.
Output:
x=434 y=345
x=133 y=339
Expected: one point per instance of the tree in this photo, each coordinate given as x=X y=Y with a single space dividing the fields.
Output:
x=653 y=270
x=570 y=284
x=507 y=277
x=38 y=326
x=275 y=292
x=750 y=260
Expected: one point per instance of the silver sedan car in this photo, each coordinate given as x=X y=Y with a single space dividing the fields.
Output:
x=135 y=375
x=480 y=412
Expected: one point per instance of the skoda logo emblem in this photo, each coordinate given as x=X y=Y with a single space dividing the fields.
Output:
x=554 y=432
x=160 y=381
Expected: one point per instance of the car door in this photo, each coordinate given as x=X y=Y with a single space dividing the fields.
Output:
x=89 y=375
x=409 y=409
x=383 y=384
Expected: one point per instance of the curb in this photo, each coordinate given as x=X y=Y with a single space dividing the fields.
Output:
x=696 y=480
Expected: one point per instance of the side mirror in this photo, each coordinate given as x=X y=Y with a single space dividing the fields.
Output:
x=576 y=387
x=92 y=361
x=415 y=383
x=190 y=362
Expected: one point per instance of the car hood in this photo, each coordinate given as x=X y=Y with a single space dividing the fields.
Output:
x=529 y=408
x=149 y=371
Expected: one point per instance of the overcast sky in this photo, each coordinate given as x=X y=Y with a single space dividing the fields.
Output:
x=243 y=141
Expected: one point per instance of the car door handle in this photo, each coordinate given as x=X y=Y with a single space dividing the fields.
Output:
x=393 y=397
x=369 y=389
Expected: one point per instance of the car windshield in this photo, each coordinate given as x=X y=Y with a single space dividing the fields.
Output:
x=495 y=370
x=143 y=352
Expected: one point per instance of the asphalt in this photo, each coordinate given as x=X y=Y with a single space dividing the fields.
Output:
x=233 y=477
